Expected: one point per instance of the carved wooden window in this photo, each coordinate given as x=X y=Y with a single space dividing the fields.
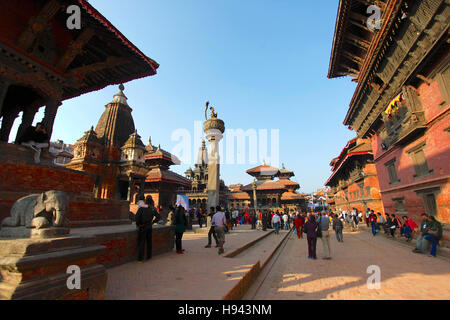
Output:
x=443 y=81
x=390 y=166
x=419 y=160
x=429 y=200
x=430 y=203
x=399 y=205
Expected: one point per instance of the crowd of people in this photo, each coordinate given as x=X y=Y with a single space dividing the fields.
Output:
x=314 y=225
x=429 y=232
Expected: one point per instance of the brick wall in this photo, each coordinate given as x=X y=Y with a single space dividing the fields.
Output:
x=122 y=246
x=20 y=176
x=19 y=179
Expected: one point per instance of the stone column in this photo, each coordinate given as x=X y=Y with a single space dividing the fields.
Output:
x=4 y=85
x=255 y=200
x=130 y=187
x=27 y=121
x=7 y=123
x=50 y=113
x=214 y=136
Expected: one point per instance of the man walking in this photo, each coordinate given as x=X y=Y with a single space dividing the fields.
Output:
x=373 y=222
x=253 y=219
x=276 y=223
x=337 y=227
x=324 y=225
x=286 y=221
x=258 y=220
x=212 y=230
x=264 y=220
x=219 y=221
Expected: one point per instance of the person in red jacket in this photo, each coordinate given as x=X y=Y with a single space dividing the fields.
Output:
x=373 y=222
x=408 y=227
x=299 y=225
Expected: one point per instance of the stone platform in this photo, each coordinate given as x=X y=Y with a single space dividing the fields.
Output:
x=37 y=268
x=121 y=242
x=198 y=274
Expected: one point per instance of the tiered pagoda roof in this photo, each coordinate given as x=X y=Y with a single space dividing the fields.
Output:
x=156 y=155
x=159 y=161
x=263 y=172
x=355 y=147
x=79 y=60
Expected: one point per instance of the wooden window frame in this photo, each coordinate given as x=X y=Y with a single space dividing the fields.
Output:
x=391 y=164
x=412 y=153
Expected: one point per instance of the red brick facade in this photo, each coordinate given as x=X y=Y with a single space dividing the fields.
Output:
x=407 y=195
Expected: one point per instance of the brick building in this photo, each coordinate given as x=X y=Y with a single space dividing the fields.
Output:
x=238 y=198
x=354 y=181
x=62 y=152
x=401 y=102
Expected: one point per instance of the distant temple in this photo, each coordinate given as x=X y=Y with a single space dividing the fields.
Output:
x=113 y=152
x=274 y=194
x=197 y=193
x=238 y=198
x=161 y=183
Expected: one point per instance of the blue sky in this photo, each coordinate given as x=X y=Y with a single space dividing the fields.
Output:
x=262 y=65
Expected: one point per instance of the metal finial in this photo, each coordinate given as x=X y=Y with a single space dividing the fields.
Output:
x=121 y=87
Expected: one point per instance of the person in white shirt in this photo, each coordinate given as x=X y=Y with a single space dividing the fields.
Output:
x=367 y=217
x=276 y=223
x=234 y=215
x=219 y=221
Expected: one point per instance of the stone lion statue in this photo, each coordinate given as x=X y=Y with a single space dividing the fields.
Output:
x=43 y=210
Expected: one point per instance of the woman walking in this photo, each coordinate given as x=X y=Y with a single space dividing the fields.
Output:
x=310 y=228
x=180 y=228
x=299 y=225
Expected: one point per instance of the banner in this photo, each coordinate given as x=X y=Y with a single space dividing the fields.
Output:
x=183 y=201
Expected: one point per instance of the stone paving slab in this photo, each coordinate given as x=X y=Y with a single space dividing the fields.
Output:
x=199 y=274
x=404 y=275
